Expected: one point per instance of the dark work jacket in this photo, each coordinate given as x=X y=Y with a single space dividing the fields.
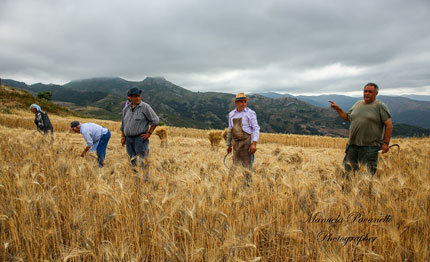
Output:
x=42 y=122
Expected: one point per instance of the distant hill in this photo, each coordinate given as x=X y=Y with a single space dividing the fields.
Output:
x=105 y=97
x=418 y=97
x=275 y=95
x=176 y=106
x=407 y=111
x=13 y=98
x=402 y=130
x=403 y=110
x=345 y=102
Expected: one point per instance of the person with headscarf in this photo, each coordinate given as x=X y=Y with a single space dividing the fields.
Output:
x=41 y=119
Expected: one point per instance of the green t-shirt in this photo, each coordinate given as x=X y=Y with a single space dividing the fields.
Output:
x=367 y=123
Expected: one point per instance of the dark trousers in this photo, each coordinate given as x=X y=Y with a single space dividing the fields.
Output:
x=361 y=155
x=46 y=130
x=101 y=148
x=137 y=149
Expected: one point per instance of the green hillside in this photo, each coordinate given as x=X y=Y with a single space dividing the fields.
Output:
x=403 y=110
x=104 y=98
x=13 y=98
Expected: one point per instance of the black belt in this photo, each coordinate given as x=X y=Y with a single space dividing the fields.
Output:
x=136 y=135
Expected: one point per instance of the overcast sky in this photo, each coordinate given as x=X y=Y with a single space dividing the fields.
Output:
x=286 y=46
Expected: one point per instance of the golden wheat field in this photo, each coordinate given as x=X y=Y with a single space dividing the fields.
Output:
x=57 y=206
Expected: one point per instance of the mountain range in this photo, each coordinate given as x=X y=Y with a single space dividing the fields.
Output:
x=403 y=109
x=105 y=97
x=413 y=97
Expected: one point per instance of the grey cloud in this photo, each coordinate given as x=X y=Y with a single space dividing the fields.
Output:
x=180 y=40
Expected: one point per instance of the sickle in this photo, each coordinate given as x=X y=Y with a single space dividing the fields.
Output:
x=398 y=147
x=225 y=159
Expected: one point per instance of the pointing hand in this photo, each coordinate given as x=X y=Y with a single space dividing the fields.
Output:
x=334 y=105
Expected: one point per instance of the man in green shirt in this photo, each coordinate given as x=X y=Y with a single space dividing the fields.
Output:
x=370 y=130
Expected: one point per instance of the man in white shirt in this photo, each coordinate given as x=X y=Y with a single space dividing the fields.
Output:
x=244 y=132
x=96 y=137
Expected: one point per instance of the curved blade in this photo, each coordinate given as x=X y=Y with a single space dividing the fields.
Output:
x=398 y=147
x=225 y=159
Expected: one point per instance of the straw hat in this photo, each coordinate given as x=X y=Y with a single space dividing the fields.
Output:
x=241 y=96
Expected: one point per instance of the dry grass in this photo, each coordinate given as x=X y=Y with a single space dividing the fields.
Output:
x=224 y=134
x=57 y=206
x=25 y=119
x=215 y=138
x=161 y=132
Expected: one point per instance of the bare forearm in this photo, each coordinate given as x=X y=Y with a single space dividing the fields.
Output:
x=388 y=132
x=339 y=110
x=85 y=150
x=342 y=114
x=229 y=138
x=151 y=130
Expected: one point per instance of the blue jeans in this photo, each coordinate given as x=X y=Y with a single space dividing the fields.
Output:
x=137 y=149
x=252 y=162
x=101 y=148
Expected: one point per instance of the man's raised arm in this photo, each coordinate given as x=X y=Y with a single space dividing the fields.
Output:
x=339 y=110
